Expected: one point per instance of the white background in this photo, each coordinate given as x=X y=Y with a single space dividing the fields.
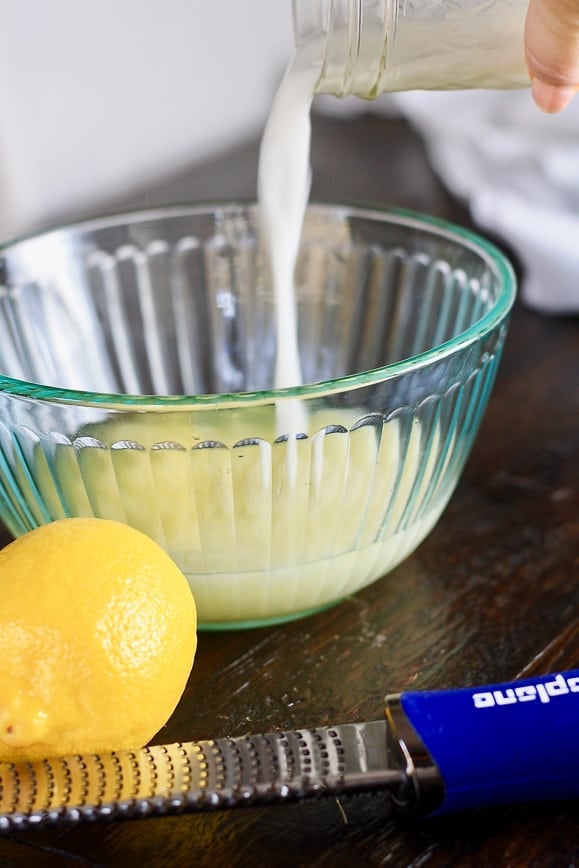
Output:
x=96 y=96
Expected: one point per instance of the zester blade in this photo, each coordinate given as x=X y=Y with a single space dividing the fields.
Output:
x=197 y=775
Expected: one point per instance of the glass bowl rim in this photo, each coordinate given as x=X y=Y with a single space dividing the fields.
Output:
x=435 y=226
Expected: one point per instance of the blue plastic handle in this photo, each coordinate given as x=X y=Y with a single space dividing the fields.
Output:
x=514 y=742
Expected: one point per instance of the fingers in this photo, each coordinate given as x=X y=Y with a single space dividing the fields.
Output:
x=552 y=52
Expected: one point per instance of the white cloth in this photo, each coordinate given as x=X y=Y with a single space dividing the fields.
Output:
x=519 y=171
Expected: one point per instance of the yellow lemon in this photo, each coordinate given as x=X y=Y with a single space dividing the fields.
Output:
x=97 y=639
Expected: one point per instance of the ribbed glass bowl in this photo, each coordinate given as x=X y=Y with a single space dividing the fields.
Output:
x=136 y=364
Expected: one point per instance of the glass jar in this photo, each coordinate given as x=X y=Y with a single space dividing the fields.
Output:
x=367 y=47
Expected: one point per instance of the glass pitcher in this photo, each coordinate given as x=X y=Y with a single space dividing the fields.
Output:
x=367 y=47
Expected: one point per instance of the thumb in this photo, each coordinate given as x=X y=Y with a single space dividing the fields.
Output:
x=552 y=51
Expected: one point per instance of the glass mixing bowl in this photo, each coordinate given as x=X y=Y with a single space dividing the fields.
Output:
x=136 y=361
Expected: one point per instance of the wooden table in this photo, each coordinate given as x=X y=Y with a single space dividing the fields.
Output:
x=492 y=594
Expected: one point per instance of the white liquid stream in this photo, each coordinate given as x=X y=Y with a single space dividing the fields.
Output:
x=283 y=191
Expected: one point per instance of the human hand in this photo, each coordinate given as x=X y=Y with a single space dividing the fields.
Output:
x=552 y=51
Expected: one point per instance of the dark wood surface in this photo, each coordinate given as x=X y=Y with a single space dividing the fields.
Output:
x=490 y=595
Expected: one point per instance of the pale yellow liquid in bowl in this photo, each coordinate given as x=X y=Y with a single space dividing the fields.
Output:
x=264 y=531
